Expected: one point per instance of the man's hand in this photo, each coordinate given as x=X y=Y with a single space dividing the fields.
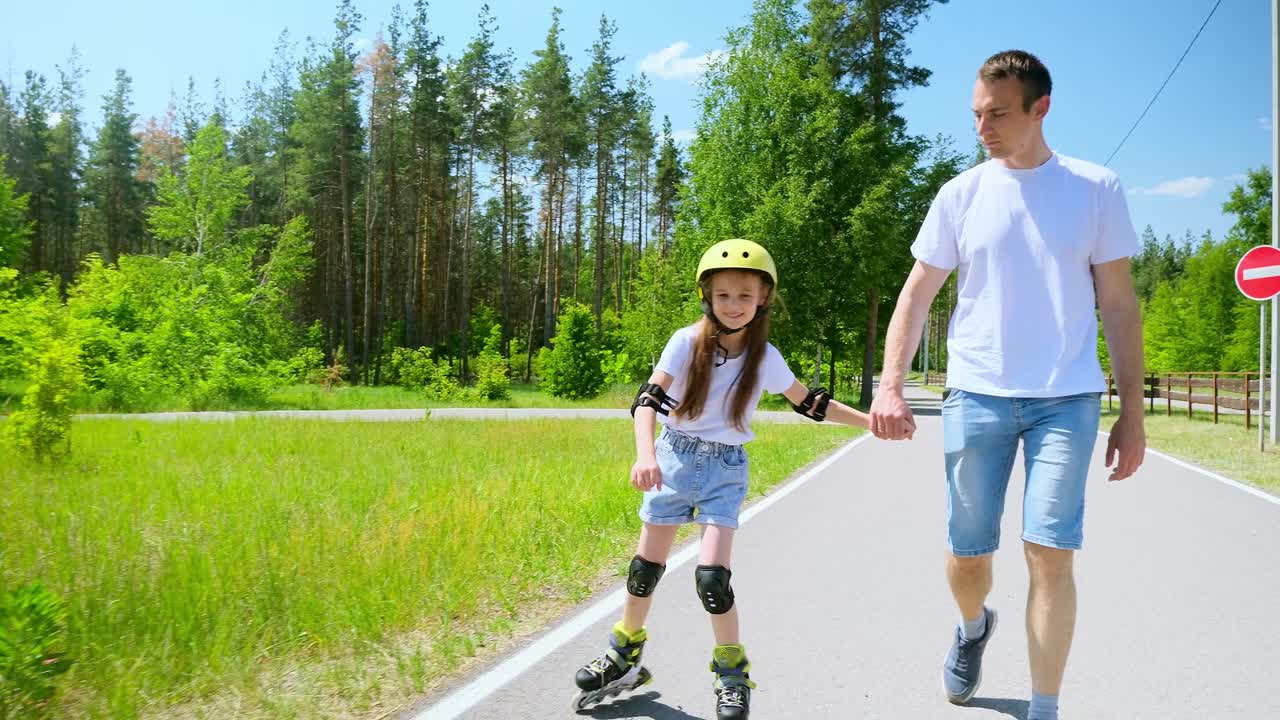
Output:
x=891 y=417
x=1129 y=440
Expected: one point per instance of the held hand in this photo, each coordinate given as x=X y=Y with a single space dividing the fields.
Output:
x=891 y=417
x=1128 y=440
x=646 y=475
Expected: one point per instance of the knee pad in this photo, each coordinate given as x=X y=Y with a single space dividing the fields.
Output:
x=643 y=576
x=713 y=588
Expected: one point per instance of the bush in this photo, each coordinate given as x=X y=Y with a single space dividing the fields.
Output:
x=440 y=383
x=572 y=368
x=492 y=380
x=410 y=369
x=32 y=629
x=232 y=378
x=616 y=368
x=306 y=366
x=42 y=427
x=130 y=386
x=331 y=376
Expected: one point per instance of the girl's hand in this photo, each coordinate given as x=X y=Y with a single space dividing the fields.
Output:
x=646 y=475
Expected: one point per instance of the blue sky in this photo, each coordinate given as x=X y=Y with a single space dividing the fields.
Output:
x=1107 y=58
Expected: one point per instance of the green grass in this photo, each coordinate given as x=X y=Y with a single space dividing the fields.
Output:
x=1226 y=448
x=356 y=397
x=268 y=568
x=310 y=397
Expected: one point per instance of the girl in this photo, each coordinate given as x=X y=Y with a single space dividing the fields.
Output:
x=706 y=387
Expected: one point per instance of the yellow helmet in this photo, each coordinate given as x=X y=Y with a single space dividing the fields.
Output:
x=736 y=254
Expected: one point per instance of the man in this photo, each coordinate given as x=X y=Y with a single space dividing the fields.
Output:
x=1039 y=239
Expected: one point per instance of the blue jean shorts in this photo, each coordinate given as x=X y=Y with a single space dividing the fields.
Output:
x=980 y=437
x=702 y=481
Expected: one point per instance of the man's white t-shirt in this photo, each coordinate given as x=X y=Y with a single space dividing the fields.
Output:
x=1024 y=242
x=715 y=423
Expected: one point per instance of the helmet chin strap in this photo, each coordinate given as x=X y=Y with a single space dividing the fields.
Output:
x=722 y=330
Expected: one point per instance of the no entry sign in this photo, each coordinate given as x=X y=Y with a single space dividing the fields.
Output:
x=1258 y=273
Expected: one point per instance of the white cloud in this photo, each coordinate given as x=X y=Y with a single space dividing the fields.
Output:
x=1264 y=123
x=363 y=43
x=684 y=136
x=1187 y=187
x=671 y=62
x=53 y=119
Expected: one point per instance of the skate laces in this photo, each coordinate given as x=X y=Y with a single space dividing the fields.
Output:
x=601 y=664
x=732 y=695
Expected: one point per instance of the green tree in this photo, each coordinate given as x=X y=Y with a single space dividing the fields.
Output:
x=472 y=90
x=15 y=228
x=33 y=169
x=115 y=194
x=43 y=426
x=572 y=367
x=429 y=131
x=551 y=112
x=66 y=166
x=196 y=210
x=669 y=176
x=327 y=138
x=600 y=109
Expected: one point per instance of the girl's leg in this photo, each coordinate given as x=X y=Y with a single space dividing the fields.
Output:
x=717 y=549
x=654 y=546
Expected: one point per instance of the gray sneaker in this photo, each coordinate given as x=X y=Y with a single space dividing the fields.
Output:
x=962 y=672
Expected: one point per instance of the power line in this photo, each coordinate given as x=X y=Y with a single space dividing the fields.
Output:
x=1166 y=82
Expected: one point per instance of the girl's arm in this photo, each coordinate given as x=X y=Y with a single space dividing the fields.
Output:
x=836 y=411
x=645 y=473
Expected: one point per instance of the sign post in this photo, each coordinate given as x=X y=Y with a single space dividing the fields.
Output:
x=1258 y=278
x=1275 y=210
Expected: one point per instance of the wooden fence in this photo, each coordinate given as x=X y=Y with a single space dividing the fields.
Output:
x=1235 y=391
x=1239 y=391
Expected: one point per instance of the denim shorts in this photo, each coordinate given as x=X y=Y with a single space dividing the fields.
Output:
x=702 y=481
x=980 y=438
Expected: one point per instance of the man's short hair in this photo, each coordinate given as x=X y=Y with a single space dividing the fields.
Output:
x=1023 y=66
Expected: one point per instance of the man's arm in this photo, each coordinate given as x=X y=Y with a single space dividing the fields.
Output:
x=1122 y=325
x=890 y=416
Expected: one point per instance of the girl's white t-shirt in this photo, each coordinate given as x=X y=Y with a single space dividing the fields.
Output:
x=714 y=423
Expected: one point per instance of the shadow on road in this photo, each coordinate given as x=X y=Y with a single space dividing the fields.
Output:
x=642 y=705
x=1005 y=706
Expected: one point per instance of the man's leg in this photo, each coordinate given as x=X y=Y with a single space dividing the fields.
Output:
x=1058 y=445
x=970 y=580
x=1051 y=615
x=980 y=440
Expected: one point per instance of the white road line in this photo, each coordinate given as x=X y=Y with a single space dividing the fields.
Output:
x=466 y=697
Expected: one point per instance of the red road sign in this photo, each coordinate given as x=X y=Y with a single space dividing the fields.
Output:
x=1258 y=273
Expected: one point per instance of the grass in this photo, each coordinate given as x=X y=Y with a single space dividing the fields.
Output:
x=356 y=397
x=1227 y=448
x=310 y=397
x=276 y=569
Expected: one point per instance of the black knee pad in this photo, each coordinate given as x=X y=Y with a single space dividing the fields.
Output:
x=643 y=576
x=713 y=588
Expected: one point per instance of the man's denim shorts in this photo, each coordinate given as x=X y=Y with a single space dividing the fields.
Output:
x=980 y=437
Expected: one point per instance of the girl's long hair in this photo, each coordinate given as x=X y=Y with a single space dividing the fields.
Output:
x=704 y=356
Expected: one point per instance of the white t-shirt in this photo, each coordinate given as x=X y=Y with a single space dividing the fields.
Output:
x=1024 y=241
x=715 y=423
